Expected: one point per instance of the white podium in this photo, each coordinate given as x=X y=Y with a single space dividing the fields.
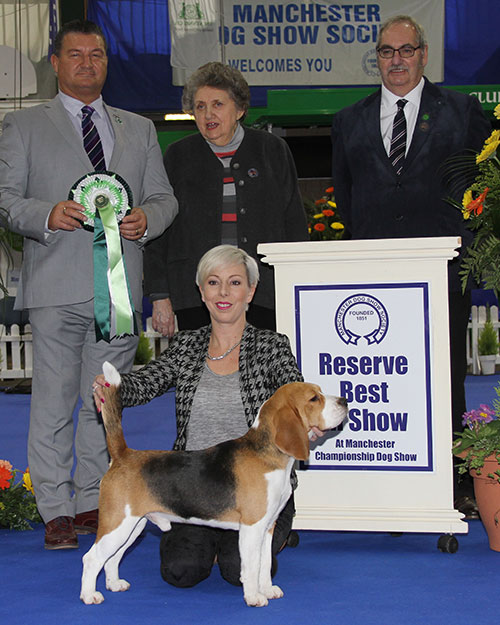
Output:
x=369 y=320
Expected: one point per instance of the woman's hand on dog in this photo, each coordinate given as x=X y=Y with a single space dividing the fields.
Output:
x=97 y=386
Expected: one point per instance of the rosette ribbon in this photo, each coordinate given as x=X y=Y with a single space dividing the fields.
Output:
x=112 y=299
x=106 y=199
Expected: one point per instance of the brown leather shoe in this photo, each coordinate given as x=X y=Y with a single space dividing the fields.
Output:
x=86 y=522
x=60 y=534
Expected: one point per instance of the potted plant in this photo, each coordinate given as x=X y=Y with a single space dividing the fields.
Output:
x=478 y=448
x=488 y=346
x=17 y=500
x=323 y=219
x=480 y=207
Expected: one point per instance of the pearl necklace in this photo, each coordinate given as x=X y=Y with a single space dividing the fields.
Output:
x=225 y=353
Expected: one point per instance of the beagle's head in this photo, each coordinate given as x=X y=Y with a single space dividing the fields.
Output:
x=298 y=409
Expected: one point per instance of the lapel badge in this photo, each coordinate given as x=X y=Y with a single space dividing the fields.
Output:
x=424 y=124
x=252 y=172
x=117 y=118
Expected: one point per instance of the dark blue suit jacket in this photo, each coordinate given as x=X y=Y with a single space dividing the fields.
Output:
x=376 y=203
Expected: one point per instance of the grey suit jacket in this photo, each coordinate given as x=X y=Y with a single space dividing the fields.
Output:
x=41 y=157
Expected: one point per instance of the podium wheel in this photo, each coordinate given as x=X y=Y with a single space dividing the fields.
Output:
x=447 y=543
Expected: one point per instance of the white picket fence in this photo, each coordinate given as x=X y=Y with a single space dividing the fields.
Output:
x=476 y=324
x=16 y=353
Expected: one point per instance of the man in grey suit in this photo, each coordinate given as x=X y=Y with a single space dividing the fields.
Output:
x=42 y=155
x=387 y=178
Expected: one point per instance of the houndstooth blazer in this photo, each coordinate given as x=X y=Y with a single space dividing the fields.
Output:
x=266 y=362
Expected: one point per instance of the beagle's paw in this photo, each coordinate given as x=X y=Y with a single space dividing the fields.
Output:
x=90 y=598
x=272 y=592
x=117 y=585
x=256 y=600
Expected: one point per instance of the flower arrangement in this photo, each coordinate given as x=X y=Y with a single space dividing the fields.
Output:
x=480 y=438
x=481 y=208
x=17 y=501
x=323 y=219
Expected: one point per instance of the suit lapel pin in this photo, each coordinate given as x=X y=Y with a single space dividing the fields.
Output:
x=117 y=118
x=253 y=173
x=424 y=124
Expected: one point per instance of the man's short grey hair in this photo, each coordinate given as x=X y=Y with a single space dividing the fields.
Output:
x=223 y=256
x=218 y=76
x=403 y=19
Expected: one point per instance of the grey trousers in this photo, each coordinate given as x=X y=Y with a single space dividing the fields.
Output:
x=66 y=359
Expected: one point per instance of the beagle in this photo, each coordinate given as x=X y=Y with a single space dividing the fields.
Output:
x=241 y=484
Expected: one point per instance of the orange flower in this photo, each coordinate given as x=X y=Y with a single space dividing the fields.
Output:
x=476 y=206
x=319 y=202
x=319 y=227
x=329 y=190
x=328 y=212
x=5 y=477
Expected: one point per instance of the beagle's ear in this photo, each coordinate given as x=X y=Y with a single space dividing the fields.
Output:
x=291 y=434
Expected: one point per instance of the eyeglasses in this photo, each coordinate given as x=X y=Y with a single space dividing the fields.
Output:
x=405 y=52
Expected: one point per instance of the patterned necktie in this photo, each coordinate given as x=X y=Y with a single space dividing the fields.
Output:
x=398 y=141
x=91 y=140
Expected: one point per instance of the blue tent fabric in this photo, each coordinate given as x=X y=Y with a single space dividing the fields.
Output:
x=140 y=75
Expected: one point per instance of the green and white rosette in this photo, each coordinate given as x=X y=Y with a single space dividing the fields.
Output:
x=107 y=198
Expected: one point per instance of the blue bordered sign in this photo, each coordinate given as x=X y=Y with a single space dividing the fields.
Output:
x=370 y=343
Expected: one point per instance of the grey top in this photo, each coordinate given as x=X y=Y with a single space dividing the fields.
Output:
x=214 y=419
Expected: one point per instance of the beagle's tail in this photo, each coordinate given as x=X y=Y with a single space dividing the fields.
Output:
x=111 y=411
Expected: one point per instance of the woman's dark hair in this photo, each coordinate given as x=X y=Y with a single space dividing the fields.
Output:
x=219 y=76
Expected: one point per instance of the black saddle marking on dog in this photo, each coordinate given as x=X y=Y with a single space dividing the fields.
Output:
x=197 y=484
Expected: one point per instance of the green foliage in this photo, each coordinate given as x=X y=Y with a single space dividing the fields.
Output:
x=144 y=352
x=477 y=445
x=487 y=342
x=17 y=506
x=323 y=219
x=480 y=208
x=480 y=438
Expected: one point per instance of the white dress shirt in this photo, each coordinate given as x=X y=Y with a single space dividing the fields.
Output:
x=389 y=108
x=100 y=118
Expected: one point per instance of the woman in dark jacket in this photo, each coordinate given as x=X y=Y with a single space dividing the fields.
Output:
x=235 y=185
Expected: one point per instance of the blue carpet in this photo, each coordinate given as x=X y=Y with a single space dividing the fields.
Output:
x=344 y=578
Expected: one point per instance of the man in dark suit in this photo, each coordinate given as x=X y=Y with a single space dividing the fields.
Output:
x=43 y=153
x=387 y=152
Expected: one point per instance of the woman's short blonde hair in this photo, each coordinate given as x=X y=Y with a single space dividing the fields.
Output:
x=223 y=256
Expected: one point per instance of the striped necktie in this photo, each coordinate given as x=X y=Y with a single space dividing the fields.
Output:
x=91 y=140
x=398 y=141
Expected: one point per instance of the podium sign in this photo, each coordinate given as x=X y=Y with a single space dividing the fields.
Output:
x=368 y=320
x=349 y=338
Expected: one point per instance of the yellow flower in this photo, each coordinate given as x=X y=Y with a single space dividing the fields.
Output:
x=332 y=204
x=467 y=199
x=495 y=136
x=318 y=216
x=336 y=225
x=488 y=150
x=496 y=112
x=27 y=481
